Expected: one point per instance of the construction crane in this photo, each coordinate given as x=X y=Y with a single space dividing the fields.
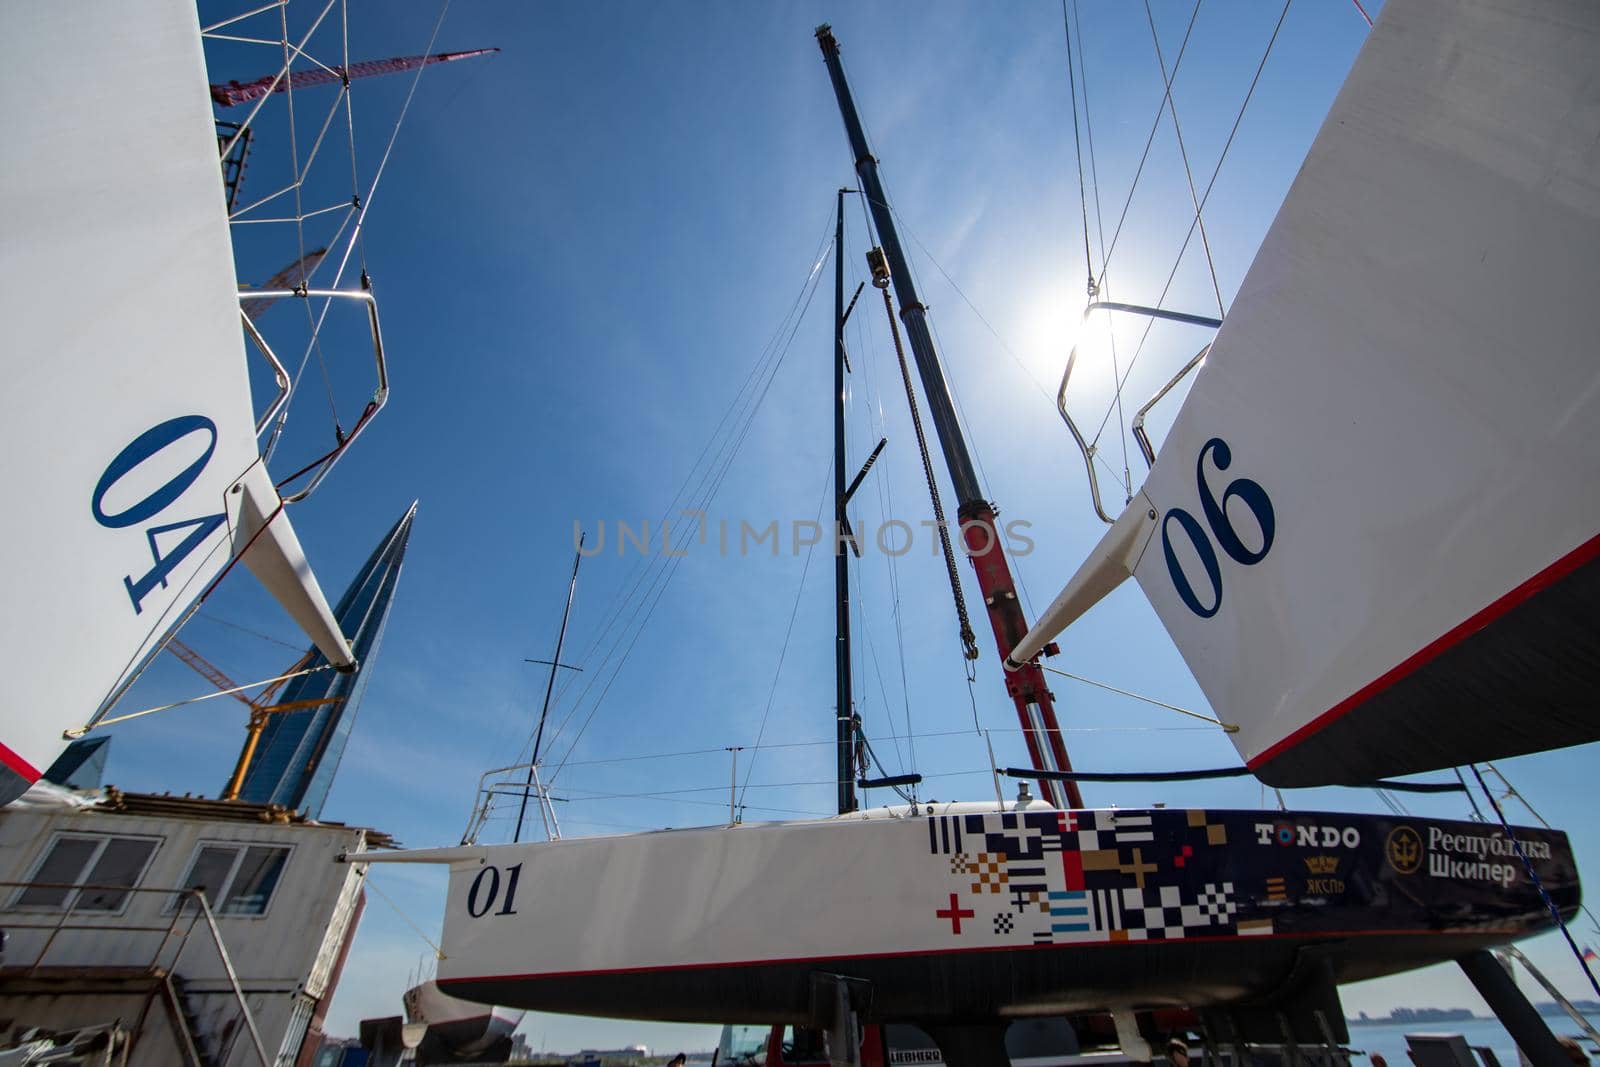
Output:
x=234 y=93
x=261 y=705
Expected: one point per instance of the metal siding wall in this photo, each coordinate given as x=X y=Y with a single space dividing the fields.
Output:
x=274 y=955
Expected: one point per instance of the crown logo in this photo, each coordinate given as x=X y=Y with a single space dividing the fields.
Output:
x=1322 y=864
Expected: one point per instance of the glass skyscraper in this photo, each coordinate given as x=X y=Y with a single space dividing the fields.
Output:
x=299 y=751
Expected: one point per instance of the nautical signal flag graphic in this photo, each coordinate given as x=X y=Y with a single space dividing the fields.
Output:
x=1590 y=955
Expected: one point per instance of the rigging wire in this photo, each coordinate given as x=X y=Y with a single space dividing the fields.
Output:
x=1533 y=875
x=1205 y=197
x=741 y=408
x=783 y=651
x=870 y=409
x=1511 y=792
x=1077 y=154
x=885 y=488
x=1155 y=126
x=1183 y=151
x=717 y=477
x=1104 y=284
x=206 y=615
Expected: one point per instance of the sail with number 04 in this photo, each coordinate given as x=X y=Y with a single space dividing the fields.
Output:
x=133 y=469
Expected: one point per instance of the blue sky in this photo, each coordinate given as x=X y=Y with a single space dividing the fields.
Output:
x=581 y=247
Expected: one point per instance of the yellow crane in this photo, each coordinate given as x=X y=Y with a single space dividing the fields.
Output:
x=261 y=706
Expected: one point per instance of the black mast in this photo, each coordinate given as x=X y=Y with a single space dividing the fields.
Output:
x=555 y=662
x=845 y=728
x=1025 y=683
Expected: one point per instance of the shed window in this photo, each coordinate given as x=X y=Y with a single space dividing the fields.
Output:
x=237 y=879
x=89 y=872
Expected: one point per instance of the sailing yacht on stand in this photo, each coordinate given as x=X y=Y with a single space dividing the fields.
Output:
x=1372 y=324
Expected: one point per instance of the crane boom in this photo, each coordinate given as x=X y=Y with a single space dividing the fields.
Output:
x=233 y=93
x=209 y=671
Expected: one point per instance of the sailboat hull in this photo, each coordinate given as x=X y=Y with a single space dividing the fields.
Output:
x=1372 y=528
x=973 y=912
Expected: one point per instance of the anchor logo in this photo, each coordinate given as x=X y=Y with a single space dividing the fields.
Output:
x=1404 y=850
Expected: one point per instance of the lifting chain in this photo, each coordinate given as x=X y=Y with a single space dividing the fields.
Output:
x=969 y=643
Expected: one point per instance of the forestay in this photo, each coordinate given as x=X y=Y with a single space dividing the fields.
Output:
x=1372 y=529
x=132 y=472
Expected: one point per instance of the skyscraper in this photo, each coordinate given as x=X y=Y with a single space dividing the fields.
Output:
x=299 y=751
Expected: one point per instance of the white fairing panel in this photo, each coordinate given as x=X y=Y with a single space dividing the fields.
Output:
x=1397 y=417
x=129 y=420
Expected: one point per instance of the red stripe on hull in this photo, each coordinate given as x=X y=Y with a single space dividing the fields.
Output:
x=18 y=764
x=1561 y=568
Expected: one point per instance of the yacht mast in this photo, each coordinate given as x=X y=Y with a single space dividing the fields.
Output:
x=844 y=714
x=544 y=712
x=976 y=516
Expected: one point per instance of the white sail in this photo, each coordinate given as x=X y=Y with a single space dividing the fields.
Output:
x=1371 y=531
x=132 y=474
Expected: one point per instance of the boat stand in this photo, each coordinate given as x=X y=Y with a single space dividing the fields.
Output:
x=1522 y=1021
x=837 y=1003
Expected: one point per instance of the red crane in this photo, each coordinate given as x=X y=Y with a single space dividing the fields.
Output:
x=233 y=93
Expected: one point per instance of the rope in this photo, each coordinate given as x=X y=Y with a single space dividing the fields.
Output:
x=969 y=643
x=1226 y=726
x=437 y=951
x=1538 y=884
x=81 y=730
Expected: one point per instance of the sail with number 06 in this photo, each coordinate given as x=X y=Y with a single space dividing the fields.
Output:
x=133 y=476
x=1372 y=529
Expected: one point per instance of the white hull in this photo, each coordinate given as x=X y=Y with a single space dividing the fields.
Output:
x=966 y=912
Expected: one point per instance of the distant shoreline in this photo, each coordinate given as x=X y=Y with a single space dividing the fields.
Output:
x=1430 y=1016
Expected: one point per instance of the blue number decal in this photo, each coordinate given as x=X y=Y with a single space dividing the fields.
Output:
x=1216 y=511
x=1254 y=497
x=1208 y=560
x=477 y=884
x=479 y=908
x=157 y=575
x=513 y=873
x=144 y=447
